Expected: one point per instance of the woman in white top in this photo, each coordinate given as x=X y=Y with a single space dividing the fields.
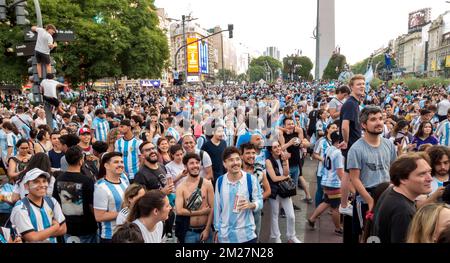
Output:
x=148 y=213
x=132 y=193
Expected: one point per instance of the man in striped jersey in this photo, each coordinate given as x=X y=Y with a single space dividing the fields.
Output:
x=108 y=194
x=100 y=126
x=443 y=131
x=128 y=145
x=234 y=204
x=38 y=218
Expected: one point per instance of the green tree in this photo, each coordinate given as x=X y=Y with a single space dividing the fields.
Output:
x=256 y=73
x=226 y=75
x=361 y=67
x=298 y=65
x=241 y=77
x=263 y=61
x=126 y=41
x=334 y=67
x=13 y=69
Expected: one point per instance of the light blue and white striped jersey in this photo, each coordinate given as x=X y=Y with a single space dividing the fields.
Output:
x=333 y=161
x=235 y=227
x=38 y=219
x=174 y=133
x=11 y=140
x=130 y=151
x=3 y=144
x=443 y=133
x=108 y=197
x=101 y=128
x=320 y=148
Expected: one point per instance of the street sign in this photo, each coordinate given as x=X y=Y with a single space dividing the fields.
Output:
x=25 y=49
x=63 y=35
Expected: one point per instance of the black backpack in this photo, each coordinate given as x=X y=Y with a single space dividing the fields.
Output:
x=312 y=122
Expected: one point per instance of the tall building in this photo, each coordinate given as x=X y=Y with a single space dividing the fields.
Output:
x=326 y=35
x=273 y=52
x=439 y=46
x=164 y=24
x=225 y=50
x=200 y=55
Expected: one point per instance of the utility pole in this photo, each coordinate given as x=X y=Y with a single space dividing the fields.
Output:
x=183 y=22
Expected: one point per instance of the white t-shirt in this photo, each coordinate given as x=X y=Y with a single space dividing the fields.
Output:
x=173 y=170
x=151 y=237
x=50 y=86
x=205 y=163
x=43 y=40
x=39 y=122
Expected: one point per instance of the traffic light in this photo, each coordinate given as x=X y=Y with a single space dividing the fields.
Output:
x=21 y=13
x=3 y=10
x=32 y=70
x=34 y=78
x=230 y=30
x=53 y=63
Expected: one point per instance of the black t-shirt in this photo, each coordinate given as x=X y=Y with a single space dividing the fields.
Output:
x=150 y=178
x=393 y=214
x=215 y=152
x=55 y=158
x=75 y=193
x=293 y=150
x=350 y=112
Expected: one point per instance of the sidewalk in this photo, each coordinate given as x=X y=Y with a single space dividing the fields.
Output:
x=324 y=232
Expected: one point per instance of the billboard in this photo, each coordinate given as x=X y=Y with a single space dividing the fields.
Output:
x=204 y=65
x=418 y=19
x=192 y=56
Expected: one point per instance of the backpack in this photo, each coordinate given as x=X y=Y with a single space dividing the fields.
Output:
x=312 y=122
x=249 y=185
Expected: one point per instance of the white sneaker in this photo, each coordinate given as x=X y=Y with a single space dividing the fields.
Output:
x=347 y=210
x=294 y=240
x=277 y=240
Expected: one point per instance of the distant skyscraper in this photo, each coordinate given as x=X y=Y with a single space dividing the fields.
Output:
x=272 y=52
x=326 y=34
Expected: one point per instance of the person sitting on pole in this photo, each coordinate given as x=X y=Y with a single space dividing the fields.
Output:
x=44 y=44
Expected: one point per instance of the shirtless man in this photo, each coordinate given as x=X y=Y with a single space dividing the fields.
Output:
x=201 y=210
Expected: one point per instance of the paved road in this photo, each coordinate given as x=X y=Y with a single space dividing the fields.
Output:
x=324 y=232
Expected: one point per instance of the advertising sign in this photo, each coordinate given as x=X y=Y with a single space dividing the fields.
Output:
x=192 y=56
x=447 y=62
x=418 y=19
x=203 y=47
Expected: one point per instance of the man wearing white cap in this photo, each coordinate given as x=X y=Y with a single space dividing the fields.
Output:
x=38 y=217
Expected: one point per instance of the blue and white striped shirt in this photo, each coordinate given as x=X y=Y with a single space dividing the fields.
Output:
x=12 y=139
x=101 y=128
x=38 y=218
x=130 y=151
x=320 y=149
x=443 y=133
x=235 y=227
x=333 y=161
x=174 y=133
x=3 y=144
x=108 y=197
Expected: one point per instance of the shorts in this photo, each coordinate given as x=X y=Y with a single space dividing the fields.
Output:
x=52 y=101
x=345 y=154
x=332 y=196
x=42 y=58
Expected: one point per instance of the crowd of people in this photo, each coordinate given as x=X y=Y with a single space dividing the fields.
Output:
x=198 y=164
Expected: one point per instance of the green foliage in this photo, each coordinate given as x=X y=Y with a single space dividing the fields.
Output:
x=261 y=61
x=128 y=41
x=334 y=67
x=376 y=82
x=241 y=77
x=256 y=73
x=360 y=67
x=416 y=83
x=304 y=68
x=226 y=75
x=13 y=70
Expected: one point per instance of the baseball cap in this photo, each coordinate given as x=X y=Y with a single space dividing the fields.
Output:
x=83 y=131
x=33 y=174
